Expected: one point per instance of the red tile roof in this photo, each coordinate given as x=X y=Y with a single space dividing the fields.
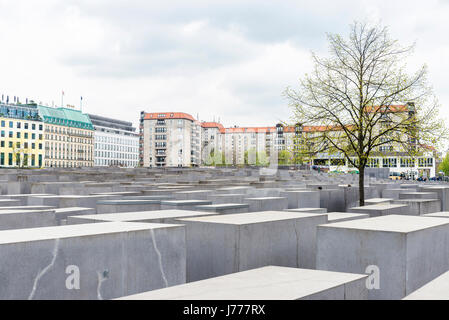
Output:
x=392 y=108
x=168 y=115
x=250 y=129
x=213 y=125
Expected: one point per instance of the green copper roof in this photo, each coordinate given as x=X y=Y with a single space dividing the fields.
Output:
x=65 y=117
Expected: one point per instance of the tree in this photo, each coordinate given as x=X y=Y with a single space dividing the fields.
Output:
x=363 y=99
x=444 y=165
x=254 y=157
x=20 y=155
x=284 y=157
x=215 y=158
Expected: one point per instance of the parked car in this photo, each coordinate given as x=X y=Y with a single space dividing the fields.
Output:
x=396 y=176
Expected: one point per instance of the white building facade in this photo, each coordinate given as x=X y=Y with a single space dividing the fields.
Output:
x=115 y=143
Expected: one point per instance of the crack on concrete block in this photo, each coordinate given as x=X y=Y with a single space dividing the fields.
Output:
x=102 y=276
x=45 y=270
x=297 y=244
x=159 y=258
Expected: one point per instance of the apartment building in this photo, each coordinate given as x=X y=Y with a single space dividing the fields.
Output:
x=170 y=139
x=391 y=155
x=21 y=136
x=115 y=142
x=212 y=143
x=164 y=135
x=69 y=137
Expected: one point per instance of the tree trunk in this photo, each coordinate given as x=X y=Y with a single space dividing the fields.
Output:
x=362 y=185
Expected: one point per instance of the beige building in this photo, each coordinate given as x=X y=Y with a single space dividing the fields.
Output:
x=171 y=139
x=69 y=138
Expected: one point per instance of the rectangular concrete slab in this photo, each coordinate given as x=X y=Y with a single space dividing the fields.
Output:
x=183 y=204
x=111 y=259
x=418 y=195
x=225 y=208
x=418 y=207
x=302 y=199
x=20 y=219
x=377 y=201
x=266 y=203
x=381 y=209
x=156 y=216
x=404 y=252
x=437 y=289
x=309 y=210
x=267 y=283
x=442 y=192
x=113 y=206
x=226 y=198
x=344 y=216
x=193 y=194
x=222 y=244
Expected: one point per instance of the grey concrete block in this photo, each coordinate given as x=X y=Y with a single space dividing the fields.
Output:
x=129 y=258
x=442 y=192
x=156 y=216
x=218 y=245
x=267 y=283
x=382 y=209
x=418 y=195
x=183 y=204
x=377 y=201
x=113 y=206
x=193 y=194
x=308 y=210
x=418 y=207
x=226 y=198
x=333 y=217
x=20 y=219
x=437 y=289
x=302 y=199
x=266 y=203
x=224 y=208
x=407 y=251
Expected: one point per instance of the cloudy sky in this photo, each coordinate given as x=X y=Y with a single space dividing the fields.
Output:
x=228 y=60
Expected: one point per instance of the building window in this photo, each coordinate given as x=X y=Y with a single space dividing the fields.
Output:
x=373 y=163
x=389 y=162
x=407 y=163
x=425 y=162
